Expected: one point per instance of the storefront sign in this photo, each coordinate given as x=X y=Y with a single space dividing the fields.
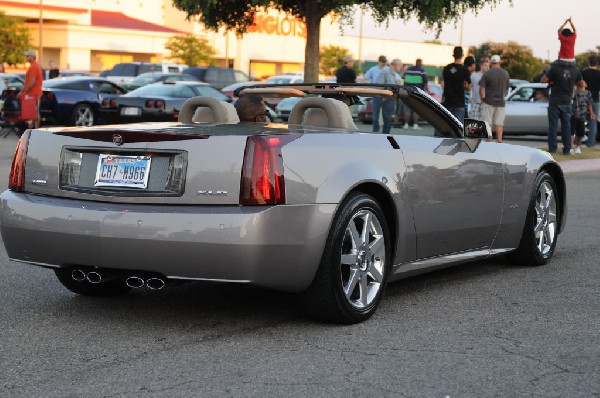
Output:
x=280 y=25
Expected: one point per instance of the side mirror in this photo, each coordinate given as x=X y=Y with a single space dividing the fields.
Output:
x=477 y=129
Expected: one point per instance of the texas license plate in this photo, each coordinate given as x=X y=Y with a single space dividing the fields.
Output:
x=122 y=171
x=131 y=111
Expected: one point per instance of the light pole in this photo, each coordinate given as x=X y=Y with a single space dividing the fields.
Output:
x=40 y=26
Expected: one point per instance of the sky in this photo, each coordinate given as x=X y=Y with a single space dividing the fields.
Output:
x=533 y=23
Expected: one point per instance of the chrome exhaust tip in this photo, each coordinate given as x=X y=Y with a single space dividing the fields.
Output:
x=94 y=277
x=135 y=282
x=78 y=275
x=155 y=283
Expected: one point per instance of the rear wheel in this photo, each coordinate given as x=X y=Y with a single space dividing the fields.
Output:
x=112 y=287
x=83 y=115
x=354 y=268
x=541 y=225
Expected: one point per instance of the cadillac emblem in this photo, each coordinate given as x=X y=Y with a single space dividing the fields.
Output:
x=118 y=139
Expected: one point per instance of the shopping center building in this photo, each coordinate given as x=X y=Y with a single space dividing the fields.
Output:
x=93 y=35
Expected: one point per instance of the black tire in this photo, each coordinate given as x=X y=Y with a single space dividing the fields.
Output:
x=112 y=287
x=82 y=115
x=540 y=232
x=367 y=267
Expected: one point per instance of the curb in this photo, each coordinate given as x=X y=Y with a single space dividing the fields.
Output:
x=573 y=166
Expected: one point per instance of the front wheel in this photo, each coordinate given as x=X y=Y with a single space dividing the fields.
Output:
x=83 y=115
x=541 y=225
x=355 y=265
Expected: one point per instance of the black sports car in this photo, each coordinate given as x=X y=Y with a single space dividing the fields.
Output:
x=75 y=101
x=156 y=102
x=154 y=77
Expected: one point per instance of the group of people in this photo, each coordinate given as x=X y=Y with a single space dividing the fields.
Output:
x=382 y=73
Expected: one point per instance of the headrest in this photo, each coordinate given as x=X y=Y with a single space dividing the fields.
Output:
x=334 y=113
x=207 y=109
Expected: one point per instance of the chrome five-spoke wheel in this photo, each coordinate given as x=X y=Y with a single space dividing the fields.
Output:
x=546 y=222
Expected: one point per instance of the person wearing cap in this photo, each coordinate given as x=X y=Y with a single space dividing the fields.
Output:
x=455 y=81
x=33 y=82
x=372 y=75
x=346 y=74
x=493 y=87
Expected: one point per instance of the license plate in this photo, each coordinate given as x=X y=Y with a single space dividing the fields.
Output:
x=131 y=111
x=122 y=171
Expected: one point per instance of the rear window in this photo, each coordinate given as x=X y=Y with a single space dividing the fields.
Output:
x=124 y=70
x=208 y=91
x=163 y=90
x=145 y=68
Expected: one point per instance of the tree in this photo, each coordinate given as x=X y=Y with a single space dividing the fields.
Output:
x=516 y=58
x=239 y=15
x=191 y=50
x=330 y=59
x=14 y=40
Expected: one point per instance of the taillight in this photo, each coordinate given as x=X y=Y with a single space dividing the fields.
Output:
x=104 y=103
x=149 y=104
x=16 y=180
x=158 y=104
x=263 y=182
x=113 y=103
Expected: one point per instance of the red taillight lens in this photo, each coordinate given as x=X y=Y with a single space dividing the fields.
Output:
x=104 y=103
x=158 y=104
x=149 y=104
x=16 y=181
x=263 y=182
x=113 y=103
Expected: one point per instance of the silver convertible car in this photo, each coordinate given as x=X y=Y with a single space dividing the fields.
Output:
x=314 y=206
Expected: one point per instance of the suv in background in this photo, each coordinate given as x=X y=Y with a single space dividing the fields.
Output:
x=124 y=72
x=217 y=77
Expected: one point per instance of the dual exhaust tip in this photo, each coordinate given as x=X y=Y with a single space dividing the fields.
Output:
x=153 y=283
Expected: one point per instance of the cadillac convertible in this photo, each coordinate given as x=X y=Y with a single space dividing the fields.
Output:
x=313 y=206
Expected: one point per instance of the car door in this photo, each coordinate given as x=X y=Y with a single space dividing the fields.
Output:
x=523 y=114
x=455 y=187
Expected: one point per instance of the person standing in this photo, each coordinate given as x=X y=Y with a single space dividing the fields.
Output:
x=561 y=78
x=591 y=75
x=415 y=76
x=469 y=63
x=53 y=72
x=582 y=110
x=33 y=82
x=346 y=74
x=455 y=82
x=484 y=66
x=493 y=87
x=390 y=75
x=372 y=76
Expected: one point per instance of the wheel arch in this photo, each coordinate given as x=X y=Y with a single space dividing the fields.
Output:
x=384 y=198
x=559 y=179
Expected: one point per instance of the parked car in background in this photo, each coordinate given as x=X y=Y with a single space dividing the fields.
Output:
x=514 y=83
x=284 y=107
x=230 y=89
x=70 y=73
x=524 y=113
x=156 y=101
x=124 y=72
x=11 y=80
x=75 y=101
x=315 y=207
x=155 y=77
x=217 y=77
x=285 y=79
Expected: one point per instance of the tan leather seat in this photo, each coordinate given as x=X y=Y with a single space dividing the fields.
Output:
x=322 y=112
x=207 y=110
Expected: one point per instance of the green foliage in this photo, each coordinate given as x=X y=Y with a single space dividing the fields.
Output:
x=517 y=59
x=239 y=15
x=330 y=59
x=14 y=40
x=582 y=59
x=191 y=50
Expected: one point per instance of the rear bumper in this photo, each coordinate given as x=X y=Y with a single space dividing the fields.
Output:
x=277 y=247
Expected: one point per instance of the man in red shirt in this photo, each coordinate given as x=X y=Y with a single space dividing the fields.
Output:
x=33 y=82
x=567 y=41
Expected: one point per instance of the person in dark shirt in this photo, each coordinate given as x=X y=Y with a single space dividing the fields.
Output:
x=346 y=74
x=53 y=72
x=252 y=109
x=456 y=81
x=561 y=77
x=591 y=75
